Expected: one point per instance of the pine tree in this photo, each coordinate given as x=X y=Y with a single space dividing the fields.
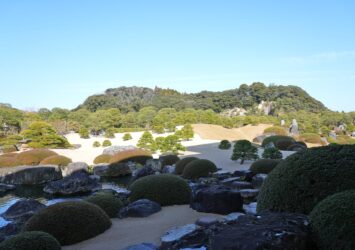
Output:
x=244 y=150
x=147 y=142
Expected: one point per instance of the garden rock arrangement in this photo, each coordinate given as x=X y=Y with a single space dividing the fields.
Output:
x=109 y=170
x=140 y=208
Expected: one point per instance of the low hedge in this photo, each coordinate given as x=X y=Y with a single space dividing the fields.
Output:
x=277 y=130
x=58 y=160
x=34 y=240
x=9 y=161
x=199 y=168
x=169 y=159
x=311 y=138
x=166 y=189
x=180 y=165
x=70 y=222
x=333 y=221
x=264 y=166
x=34 y=156
x=107 y=202
x=106 y=143
x=103 y=158
x=96 y=144
x=224 y=145
x=303 y=179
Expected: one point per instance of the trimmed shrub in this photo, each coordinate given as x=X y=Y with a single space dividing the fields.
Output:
x=224 y=144
x=96 y=144
x=264 y=166
x=170 y=159
x=276 y=138
x=58 y=160
x=104 y=158
x=70 y=222
x=166 y=189
x=275 y=130
x=26 y=158
x=6 y=161
x=272 y=153
x=40 y=153
x=180 y=165
x=8 y=148
x=297 y=146
x=34 y=240
x=244 y=150
x=107 y=202
x=198 y=168
x=110 y=133
x=135 y=155
x=127 y=137
x=106 y=143
x=84 y=133
x=333 y=221
x=311 y=138
x=298 y=183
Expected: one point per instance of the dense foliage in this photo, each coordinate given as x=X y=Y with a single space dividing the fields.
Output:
x=244 y=150
x=96 y=144
x=169 y=159
x=103 y=158
x=127 y=137
x=58 y=160
x=106 y=143
x=271 y=153
x=135 y=155
x=264 y=166
x=166 y=189
x=70 y=222
x=198 y=168
x=180 y=165
x=224 y=144
x=34 y=240
x=147 y=142
x=276 y=130
x=107 y=201
x=298 y=183
x=333 y=221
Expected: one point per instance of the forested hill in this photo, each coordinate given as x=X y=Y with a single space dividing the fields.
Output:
x=283 y=98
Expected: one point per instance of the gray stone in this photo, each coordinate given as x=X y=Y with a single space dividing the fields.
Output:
x=145 y=171
x=22 y=210
x=230 y=180
x=155 y=164
x=250 y=208
x=294 y=128
x=116 y=149
x=241 y=185
x=112 y=170
x=140 y=208
x=206 y=221
x=74 y=167
x=10 y=230
x=176 y=233
x=232 y=216
x=221 y=174
x=142 y=246
x=258 y=180
x=168 y=169
x=6 y=187
x=249 y=193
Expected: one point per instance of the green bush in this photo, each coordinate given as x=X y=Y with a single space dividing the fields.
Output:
x=8 y=148
x=106 y=143
x=244 y=150
x=104 y=158
x=107 y=202
x=170 y=159
x=272 y=153
x=333 y=221
x=70 y=222
x=96 y=144
x=147 y=142
x=198 y=168
x=275 y=130
x=166 y=189
x=127 y=137
x=180 y=165
x=275 y=138
x=298 y=183
x=264 y=166
x=224 y=144
x=9 y=161
x=284 y=144
x=31 y=241
x=311 y=138
x=84 y=133
x=297 y=146
x=58 y=160
x=110 y=133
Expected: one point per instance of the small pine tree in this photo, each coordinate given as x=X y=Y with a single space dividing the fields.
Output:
x=106 y=143
x=127 y=137
x=244 y=150
x=171 y=144
x=159 y=129
x=110 y=133
x=96 y=144
x=84 y=133
x=147 y=142
x=187 y=132
x=272 y=153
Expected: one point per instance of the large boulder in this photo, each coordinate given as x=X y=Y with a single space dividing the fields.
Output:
x=265 y=231
x=140 y=208
x=5 y=188
x=144 y=171
x=116 y=149
x=74 y=167
x=217 y=199
x=30 y=175
x=77 y=183
x=112 y=170
x=183 y=237
x=22 y=210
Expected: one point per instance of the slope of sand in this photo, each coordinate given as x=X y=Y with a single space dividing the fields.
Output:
x=130 y=231
x=216 y=132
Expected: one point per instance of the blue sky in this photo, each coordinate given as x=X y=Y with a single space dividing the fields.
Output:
x=56 y=53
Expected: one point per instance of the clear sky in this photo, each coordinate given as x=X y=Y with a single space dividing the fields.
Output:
x=56 y=53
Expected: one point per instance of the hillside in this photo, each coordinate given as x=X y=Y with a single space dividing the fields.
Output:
x=281 y=99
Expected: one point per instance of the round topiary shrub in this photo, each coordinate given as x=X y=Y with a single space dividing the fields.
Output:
x=169 y=159
x=297 y=146
x=276 y=130
x=127 y=137
x=311 y=138
x=136 y=155
x=224 y=144
x=104 y=158
x=272 y=153
x=26 y=158
x=199 y=168
x=180 y=165
x=31 y=241
x=298 y=183
x=58 y=160
x=70 y=222
x=96 y=144
x=264 y=166
x=333 y=220
x=166 y=189
x=9 y=148
x=107 y=202
x=276 y=138
x=106 y=143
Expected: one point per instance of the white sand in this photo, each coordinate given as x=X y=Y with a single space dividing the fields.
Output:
x=133 y=231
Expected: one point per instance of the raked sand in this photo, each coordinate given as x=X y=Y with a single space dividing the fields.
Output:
x=131 y=231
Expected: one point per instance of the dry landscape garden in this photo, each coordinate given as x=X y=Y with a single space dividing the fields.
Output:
x=134 y=168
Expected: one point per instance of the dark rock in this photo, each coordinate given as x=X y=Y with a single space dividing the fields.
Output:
x=140 y=208
x=74 y=167
x=155 y=164
x=258 y=180
x=30 y=175
x=112 y=170
x=232 y=216
x=206 y=221
x=249 y=193
x=241 y=185
x=9 y=230
x=6 y=187
x=222 y=174
x=116 y=149
x=230 y=180
x=142 y=246
x=145 y=171
x=23 y=210
x=168 y=169
x=266 y=231
x=246 y=175
x=250 y=208
x=217 y=199
x=77 y=183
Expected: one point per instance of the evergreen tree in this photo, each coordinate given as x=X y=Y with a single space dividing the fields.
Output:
x=147 y=142
x=244 y=150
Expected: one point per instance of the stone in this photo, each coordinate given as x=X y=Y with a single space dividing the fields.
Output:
x=112 y=170
x=22 y=210
x=177 y=233
x=294 y=128
x=246 y=175
x=142 y=246
x=168 y=169
x=6 y=187
x=74 y=167
x=77 y=183
x=155 y=164
x=140 y=208
x=116 y=149
x=230 y=180
x=250 y=208
x=206 y=221
x=232 y=216
x=258 y=180
x=30 y=175
x=145 y=171
x=266 y=231
x=222 y=174
x=249 y=193
x=9 y=230
x=240 y=185
x=217 y=199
